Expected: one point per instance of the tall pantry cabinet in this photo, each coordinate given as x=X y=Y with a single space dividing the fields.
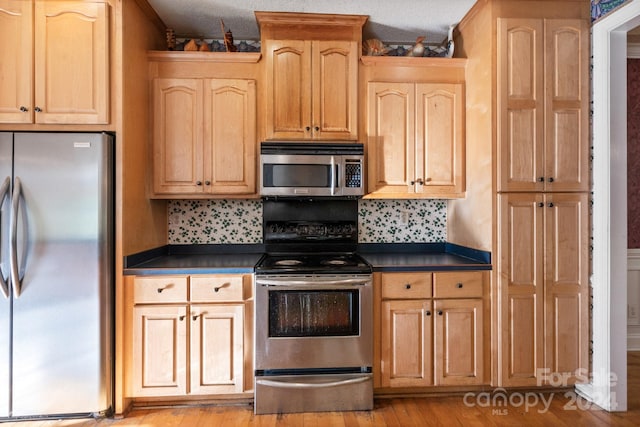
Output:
x=539 y=112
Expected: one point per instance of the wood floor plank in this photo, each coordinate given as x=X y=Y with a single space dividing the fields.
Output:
x=563 y=410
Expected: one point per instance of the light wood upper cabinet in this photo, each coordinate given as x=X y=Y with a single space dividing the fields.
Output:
x=544 y=270
x=415 y=139
x=543 y=104
x=311 y=89
x=204 y=136
x=16 y=57
x=57 y=62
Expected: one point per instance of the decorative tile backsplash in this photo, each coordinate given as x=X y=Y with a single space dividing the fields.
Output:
x=402 y=221
x=240 y=221
x=214 y=221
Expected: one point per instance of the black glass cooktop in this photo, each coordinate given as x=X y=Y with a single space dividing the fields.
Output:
x=313 y=263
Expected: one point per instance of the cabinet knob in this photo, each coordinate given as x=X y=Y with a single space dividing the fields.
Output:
x=427 y=313
x=181 y=318
x=207 y=183
x=550 y=179
x=439 y=312
x=317 y=128
x=540 y=204
x=23 y=109
x=407 y=286
x=308 y=128
x=419 y=181
x=459 y=285
x=541 y=179
x=38 y=110
x=198 y=182
x=550 y=205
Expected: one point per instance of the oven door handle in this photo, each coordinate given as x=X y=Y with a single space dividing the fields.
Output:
x=285 y=384
x=310 y=284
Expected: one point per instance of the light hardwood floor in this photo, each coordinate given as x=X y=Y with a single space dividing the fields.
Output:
x=555 y=409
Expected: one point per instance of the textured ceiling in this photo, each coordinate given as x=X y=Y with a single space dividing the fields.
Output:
x=389 y=20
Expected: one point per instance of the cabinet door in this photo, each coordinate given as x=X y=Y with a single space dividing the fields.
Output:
x=335 y=90
x=439 y=148
x=459 y=347
x=521 y=282
x=217 y=349
x=566 y=105
x=159 y=350
x=391 y=136
x=566 y=285
x=230 y=136
x=406 y=347
x=288 y=86
x=520 y=105
x=177 y=136
x=71 y=62
x=16 y=57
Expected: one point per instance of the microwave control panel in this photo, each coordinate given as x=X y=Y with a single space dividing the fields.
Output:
x=352 y=173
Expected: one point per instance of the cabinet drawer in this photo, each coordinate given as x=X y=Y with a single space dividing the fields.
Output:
x=406 y=285
x=153 y=289
x=457 y=284
x=216 y=288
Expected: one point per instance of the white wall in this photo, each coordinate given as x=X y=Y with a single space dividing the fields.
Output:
x=633 y=299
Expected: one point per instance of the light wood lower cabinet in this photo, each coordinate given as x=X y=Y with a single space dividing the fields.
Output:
x=431 y=329
x=188 y=335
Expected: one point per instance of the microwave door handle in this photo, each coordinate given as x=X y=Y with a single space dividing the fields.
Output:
x=333 y=176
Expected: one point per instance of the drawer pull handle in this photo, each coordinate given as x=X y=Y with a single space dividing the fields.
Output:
x=164 y=287
x=407 y=286
x=459 y=285
x=217 y=288
x=439 y=312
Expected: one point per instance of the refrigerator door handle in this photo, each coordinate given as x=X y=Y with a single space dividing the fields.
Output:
x=4 y=193
x=13 y=238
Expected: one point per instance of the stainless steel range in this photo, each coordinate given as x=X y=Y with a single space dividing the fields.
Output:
x=313 y=299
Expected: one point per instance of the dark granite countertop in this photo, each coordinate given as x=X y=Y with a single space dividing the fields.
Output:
x=239 y=258
x=424 y=256
x=195 y=259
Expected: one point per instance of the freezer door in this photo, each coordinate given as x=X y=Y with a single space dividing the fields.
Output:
x=6 y=142
x=62 y=315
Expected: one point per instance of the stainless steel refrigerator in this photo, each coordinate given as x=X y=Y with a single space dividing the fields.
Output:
x=56 y=262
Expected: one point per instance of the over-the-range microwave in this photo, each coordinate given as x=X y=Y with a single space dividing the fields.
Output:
x=315 y=169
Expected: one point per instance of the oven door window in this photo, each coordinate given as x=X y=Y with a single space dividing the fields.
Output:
x=315 y=313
